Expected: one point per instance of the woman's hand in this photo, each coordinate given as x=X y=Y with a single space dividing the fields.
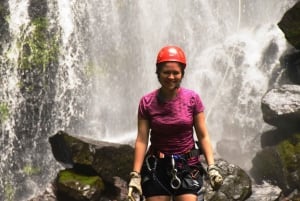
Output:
x=134 y=185
x=216 y=179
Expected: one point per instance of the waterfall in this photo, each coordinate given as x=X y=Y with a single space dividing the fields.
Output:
x=99 y=59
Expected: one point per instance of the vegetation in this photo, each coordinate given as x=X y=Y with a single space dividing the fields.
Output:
x=29 y=170
x=39 y=48
x=4 y=112
x=9 y=192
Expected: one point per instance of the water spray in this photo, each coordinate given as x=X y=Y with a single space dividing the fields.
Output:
x=227 y=65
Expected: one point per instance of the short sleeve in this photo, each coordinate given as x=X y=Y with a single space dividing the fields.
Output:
x=142 y=110
x=198 y=104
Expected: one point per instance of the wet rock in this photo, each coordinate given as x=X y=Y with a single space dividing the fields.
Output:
x=37 y=8
x=48 y=195
x=292 y=63
x=265 y=192
x=281 y=107
x=290 y=25
x=109 y=162
x=237 y=184
x=280 y=164
x=106 y=159
x=75 y=186
x=274 y=137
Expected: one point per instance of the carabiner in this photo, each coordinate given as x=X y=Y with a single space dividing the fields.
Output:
x=175 y=181
x=151 y=169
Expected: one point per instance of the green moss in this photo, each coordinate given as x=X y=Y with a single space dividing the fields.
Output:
x=29 y=170
x=4 y=112
x=69 y=176
x=9 y=192
x=289 y=151
x=39 y=48
x=84 y=156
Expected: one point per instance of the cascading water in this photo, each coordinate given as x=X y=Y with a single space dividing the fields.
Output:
x=106 y=62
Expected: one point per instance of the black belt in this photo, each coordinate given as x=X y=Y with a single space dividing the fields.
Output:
x=190 y=154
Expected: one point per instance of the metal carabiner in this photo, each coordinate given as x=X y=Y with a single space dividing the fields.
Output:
x=151 y=169
x=175 y=181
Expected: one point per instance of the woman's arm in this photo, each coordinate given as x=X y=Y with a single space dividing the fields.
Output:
x=141 y=144
x=203 y=137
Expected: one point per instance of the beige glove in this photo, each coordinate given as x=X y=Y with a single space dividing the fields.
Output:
x=216 y=179
x=134 y=185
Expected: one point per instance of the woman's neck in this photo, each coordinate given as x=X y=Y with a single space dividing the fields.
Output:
x=168 y=94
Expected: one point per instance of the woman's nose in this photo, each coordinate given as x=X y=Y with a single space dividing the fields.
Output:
x=171 y=76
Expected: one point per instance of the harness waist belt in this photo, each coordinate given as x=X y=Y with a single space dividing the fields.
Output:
x=188 y=155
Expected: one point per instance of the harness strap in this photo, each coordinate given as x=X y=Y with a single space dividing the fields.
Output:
x=190 y=154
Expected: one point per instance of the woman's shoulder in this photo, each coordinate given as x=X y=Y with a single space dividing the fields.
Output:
x=149 y=96
x=188 y=92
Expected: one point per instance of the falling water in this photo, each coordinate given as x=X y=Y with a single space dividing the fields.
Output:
x=107 y=62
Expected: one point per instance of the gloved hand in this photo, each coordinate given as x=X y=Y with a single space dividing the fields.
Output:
x=134 y=185
x=216 y=179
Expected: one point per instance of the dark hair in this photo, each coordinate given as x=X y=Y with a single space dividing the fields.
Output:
x=160 y=65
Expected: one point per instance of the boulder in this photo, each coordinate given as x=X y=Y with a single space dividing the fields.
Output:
x=90 y=160
x=75 y=186
x=237 y=184
x=280 y=164
x=106 y=159
x=281 y=107
x=290 y=25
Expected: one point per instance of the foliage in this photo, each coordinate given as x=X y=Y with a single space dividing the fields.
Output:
x=39 y=48
x=30 y=170
x=9 y=192
x=4 y=112
x=289 y=151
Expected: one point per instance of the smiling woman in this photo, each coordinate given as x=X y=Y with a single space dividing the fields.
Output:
x=171 y=166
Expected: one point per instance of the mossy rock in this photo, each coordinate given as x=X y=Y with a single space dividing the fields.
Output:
x=106 y=159
x=114 y=161
x=75 y=186
x=279 y=164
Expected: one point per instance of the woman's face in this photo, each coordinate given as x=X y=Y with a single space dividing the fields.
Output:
x=170 y=75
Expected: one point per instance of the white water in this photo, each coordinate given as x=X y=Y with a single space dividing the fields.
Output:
x=107 y=63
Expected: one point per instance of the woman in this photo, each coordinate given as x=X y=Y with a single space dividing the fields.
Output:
x=170 y=168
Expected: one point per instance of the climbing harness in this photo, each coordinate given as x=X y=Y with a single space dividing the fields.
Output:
x=180 y=174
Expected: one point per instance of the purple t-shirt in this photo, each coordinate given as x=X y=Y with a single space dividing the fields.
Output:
x=171 y=122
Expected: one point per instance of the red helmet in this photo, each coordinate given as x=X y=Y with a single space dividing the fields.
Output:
x=171 y=53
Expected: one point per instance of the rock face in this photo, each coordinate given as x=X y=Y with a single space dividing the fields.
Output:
x=290 y=25
x=279 y=164
x=281 y=107
x=100 y=172
x=292 y=63
x=279 y=160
